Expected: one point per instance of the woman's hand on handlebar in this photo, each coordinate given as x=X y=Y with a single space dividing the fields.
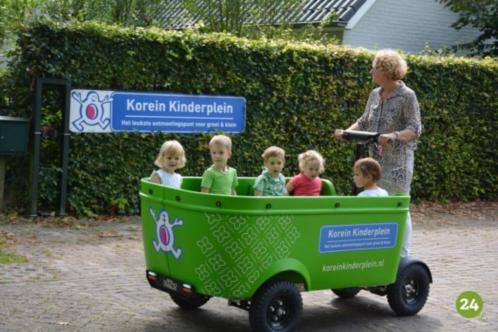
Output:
x=385 y=139
x=338 y=133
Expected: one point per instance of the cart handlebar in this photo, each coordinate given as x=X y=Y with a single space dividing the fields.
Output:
x=362 y=136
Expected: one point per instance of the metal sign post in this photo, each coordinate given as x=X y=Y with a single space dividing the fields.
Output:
x=42 y=83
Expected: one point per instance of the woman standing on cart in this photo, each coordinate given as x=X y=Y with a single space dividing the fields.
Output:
x=393 y=111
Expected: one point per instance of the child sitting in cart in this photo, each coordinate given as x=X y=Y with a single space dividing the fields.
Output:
x=308 y=182
x=271 y=182
x=219 y=178
x=170 y=158
x=367 y=171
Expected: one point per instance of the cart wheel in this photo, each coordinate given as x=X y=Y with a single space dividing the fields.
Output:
x=346 y=293
x=408 y=294
x=189 y=302
x=276 y=306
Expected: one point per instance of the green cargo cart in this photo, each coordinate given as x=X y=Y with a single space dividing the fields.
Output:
x=261 y=252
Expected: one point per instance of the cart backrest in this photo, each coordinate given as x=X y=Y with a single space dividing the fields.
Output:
x=246 y=186
x=328 y=188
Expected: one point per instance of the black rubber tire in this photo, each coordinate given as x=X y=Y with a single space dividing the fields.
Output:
x=346 y=293
x=189 y=302
x=276 y=306
x=408 y=294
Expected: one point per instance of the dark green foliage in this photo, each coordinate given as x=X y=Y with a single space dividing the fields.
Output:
x=481 y=15
x=297 y=94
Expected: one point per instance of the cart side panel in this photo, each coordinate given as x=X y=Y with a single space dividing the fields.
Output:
x=151 y=202
x=339 y=256
x=227 y=254
x=228 y=246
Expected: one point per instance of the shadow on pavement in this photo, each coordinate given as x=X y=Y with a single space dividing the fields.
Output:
x=202 y=319
x=359 y=314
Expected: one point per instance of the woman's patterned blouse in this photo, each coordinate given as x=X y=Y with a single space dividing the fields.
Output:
x=400 y=111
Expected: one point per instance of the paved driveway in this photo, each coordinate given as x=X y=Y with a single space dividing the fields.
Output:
x=91 y=278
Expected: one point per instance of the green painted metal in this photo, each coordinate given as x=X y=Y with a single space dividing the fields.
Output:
x=228 y=246
x=13 y=136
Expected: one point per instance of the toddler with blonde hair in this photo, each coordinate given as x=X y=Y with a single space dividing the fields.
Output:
x=308 y=182
x=219 y=178
x=170 y=158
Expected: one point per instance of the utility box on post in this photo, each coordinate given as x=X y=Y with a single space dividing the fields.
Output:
x=13 y=142
x=13 y=136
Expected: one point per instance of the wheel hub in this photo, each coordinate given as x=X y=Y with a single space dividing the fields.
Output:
x=278 y=311
x=411 y=290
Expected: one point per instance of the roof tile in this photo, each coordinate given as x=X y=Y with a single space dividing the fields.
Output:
x=174 y=16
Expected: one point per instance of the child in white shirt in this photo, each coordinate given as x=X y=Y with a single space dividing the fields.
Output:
x=170 y=158
x=367 y=172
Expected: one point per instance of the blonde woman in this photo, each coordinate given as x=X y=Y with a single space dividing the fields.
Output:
x=393 y=111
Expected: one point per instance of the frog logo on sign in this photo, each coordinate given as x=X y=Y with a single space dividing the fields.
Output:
x=93 y=112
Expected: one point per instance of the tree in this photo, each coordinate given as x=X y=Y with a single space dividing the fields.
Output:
x=123 y=12
x=234 y=15
x=479 y=14
x=13 y=12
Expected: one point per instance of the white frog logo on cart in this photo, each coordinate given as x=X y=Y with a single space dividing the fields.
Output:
x=91 y=112
x=164 y=233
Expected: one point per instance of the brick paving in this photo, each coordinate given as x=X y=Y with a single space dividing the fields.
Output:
x=91 y=278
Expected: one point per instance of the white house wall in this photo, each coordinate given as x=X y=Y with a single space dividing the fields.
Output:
x=408 y=25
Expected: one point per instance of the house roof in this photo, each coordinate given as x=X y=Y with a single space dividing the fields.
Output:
x=175 y=16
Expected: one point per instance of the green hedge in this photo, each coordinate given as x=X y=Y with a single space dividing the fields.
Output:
x=296 y=95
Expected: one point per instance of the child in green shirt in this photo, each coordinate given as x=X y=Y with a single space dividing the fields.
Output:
x=220 y=178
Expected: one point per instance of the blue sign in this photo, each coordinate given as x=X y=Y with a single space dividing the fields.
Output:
x=357 y=237
x=117 y=111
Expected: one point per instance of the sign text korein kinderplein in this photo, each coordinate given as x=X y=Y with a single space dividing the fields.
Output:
x=102 y=111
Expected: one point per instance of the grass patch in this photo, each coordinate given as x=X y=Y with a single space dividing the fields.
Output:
x=11 y=218
x=10 y=258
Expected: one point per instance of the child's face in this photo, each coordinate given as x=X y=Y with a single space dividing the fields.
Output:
x=274 y=165
x=219 y=155
x=361 y=180
x=311 y=169
x=172 y=160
